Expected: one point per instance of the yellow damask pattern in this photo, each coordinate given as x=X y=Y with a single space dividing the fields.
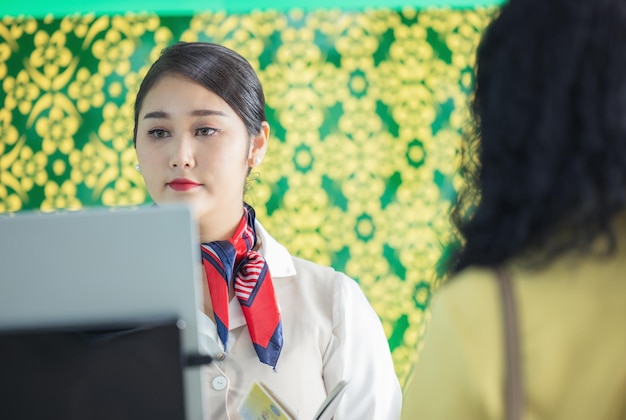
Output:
x=366 y=112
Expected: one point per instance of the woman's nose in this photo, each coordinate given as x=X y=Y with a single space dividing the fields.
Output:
x=183 y=153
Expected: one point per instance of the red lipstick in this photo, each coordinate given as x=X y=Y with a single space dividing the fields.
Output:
x=182 y=184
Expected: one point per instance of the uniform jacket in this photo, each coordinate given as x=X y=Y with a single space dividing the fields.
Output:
x=330 y=332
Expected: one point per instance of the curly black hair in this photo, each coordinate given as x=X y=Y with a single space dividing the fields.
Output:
x=549 y=132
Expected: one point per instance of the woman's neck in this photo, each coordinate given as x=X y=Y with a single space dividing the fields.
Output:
x=219 y=228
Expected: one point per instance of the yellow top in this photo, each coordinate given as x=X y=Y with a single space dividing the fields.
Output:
x=572 y=317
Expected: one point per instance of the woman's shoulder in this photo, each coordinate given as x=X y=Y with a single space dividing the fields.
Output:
x=309 y=271
x=470 y=298
x=316 y=278
x=313 y=270
x=326 y=283
x=472 y=281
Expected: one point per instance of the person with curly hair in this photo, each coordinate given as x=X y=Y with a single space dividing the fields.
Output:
x=530 y=323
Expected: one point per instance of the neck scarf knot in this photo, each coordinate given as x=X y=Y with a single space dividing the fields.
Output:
x=236 y=261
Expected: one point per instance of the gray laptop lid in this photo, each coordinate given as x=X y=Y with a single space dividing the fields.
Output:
x=104 y=267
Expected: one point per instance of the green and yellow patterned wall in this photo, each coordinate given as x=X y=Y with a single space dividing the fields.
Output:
x=366 y=109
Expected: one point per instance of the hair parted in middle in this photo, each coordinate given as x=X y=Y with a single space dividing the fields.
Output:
x=220 y=70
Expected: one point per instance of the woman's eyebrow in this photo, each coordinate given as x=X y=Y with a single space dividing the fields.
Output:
x=156 y=114
x=203 y=112
x=195 y=113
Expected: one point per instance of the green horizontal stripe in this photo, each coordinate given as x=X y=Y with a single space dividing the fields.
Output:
x=41 y=8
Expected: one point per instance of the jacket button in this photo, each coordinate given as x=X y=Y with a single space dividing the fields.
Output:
x=219 y=383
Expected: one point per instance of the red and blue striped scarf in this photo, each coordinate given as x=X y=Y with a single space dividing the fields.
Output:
x=235 y=260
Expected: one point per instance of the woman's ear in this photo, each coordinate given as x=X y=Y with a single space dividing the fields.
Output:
x=258 y=145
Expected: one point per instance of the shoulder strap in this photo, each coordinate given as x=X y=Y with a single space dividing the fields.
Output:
x=514 y=393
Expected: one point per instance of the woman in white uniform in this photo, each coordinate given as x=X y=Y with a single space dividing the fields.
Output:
x=298 y=327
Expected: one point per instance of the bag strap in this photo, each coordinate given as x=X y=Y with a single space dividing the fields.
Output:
x=514 y=393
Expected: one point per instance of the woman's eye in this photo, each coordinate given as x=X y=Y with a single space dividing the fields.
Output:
x=158 y=133
x=206 y=131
